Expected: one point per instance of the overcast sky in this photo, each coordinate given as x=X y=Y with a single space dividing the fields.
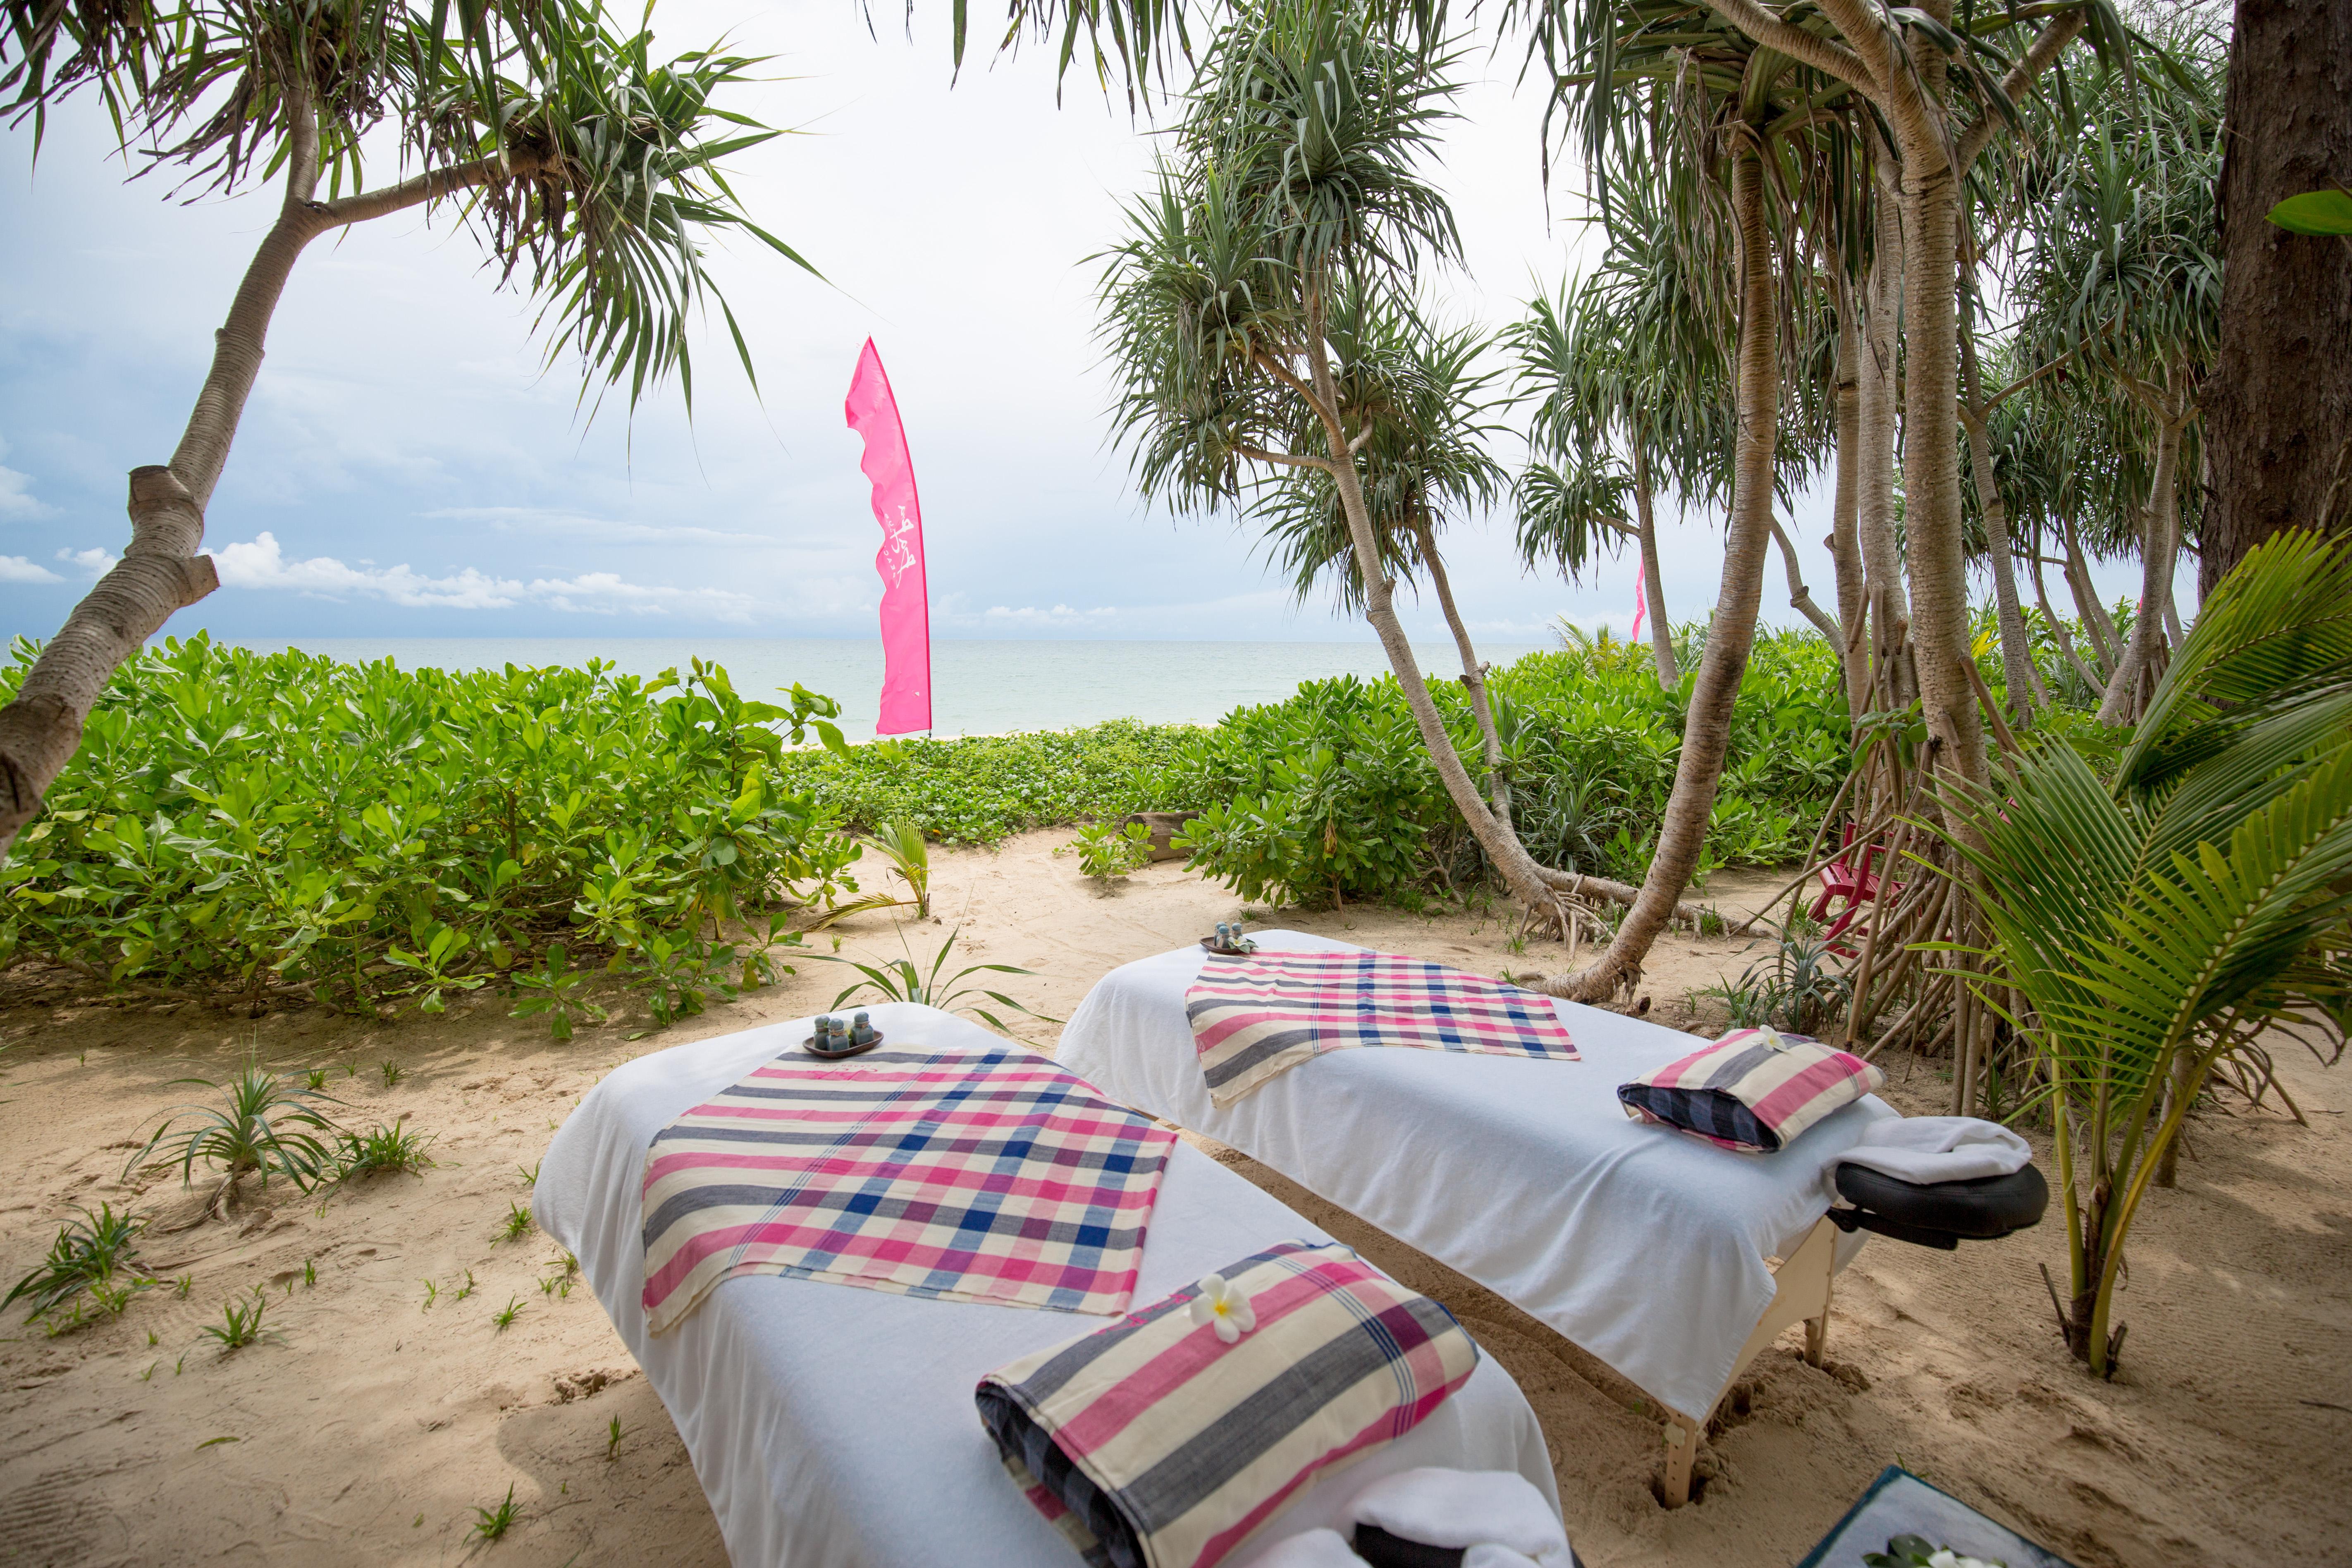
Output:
x=406 y=467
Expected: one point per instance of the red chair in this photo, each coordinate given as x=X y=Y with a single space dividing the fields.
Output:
x=1854 y=881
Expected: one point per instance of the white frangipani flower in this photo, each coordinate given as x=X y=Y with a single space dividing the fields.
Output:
x=1220 y=1307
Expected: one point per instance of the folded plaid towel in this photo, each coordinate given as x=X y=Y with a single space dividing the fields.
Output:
x=964 y=1173
x=1160 y=1443
x=1255 y=1018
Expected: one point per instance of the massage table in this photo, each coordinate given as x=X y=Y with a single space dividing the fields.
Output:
x=833 y=1427
x=1674 y=1261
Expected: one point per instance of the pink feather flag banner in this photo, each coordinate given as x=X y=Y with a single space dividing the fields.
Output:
x=905 y=595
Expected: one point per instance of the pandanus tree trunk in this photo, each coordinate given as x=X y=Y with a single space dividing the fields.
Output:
x=1706 y=729
x=2058 y=631
x=1653 y=591
x=161 y=572
x=1877 y=395
x=2159 y=550
x=2016 y=647
x=1846 y=536
x=1474 y=674
x=2105 y=647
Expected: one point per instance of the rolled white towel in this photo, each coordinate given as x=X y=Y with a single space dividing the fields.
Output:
x=1315 y=1549
x=1481 y=1510
x=1928 y=1149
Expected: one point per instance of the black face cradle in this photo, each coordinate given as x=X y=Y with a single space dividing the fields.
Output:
x=1939 y=1214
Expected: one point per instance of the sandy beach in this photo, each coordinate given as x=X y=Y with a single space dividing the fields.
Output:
x=371 y=1424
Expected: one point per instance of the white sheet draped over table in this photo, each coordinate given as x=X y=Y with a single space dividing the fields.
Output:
x=833 y=1427
x=1645 y=1246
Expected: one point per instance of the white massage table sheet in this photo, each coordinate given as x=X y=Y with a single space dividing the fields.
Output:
x=832 y=1425
x=1644 y=1245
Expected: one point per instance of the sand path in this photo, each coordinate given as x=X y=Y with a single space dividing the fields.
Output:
x=371 y=1427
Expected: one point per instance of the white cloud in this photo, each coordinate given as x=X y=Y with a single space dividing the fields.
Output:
x=598 y=529
x=16 y=569
x=16 y=500
x=96 y=563
x=1060 y=616
x=262 y=563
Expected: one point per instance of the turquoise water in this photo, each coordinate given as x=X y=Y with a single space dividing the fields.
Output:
x=978 y=688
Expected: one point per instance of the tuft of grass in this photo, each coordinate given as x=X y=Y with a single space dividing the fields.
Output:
x=612 y=1435
x=383 y=1151
x=310 y=1272
x=240 y=1325
x=87 y=1255
x=150 y=1372
x=182 y=1285
x=392 y=1073
x=431 y=1294
x=494 y=1522
x=264 y=1125
x=315 y=1080
x=518 y=1220
x=531 y=1177
x=505 y=1317
x=467 y=1289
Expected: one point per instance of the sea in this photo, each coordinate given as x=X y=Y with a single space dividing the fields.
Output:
x=978 y=686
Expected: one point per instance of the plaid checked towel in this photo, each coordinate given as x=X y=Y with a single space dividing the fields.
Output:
x=1154 y=1444
x=1255 y=1018
x=969 y=1174
x=1753 y=1091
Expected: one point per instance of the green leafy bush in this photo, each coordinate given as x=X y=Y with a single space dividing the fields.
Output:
x=981 y=788
x=1328 y=794
x=240 y=823
x=1107 y=849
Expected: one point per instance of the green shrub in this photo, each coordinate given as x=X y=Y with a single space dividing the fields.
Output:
x=240 y=823
x=1330 y=795
x=981 y=788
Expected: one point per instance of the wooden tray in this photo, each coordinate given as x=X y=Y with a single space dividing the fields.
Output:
x=809 y=1045
x=1208 y=945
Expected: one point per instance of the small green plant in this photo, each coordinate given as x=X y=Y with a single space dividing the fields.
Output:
x=87 y=1255
x=315 y=1080
x=149 y=1373
x=902 y=843
x=182 y=1285
x=267 y=1126
x=612 y=1435
x=553 y=990
x=383 y=1152
x=531 y=1175
x=467 y=1289
x=240 y=1324
x=392 y=1073
x=431 y=1294
x=310 y=1273
x=504 y=1317
x=1798 y=989
x=1109 y=849
x=899 y=980
x=518 y=1220
x=494 y=1522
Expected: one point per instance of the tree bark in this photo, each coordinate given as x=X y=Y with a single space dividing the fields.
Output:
x=1653 y=589
x=1706 y=729
x=2058 y=631
x=160 y=572
x=2159 y=550
x=1845 y=538
x=2016 y=649
x=1875 y=390
x=1474 y=676
x=2278 y=419
x=2096 y=624
x=1800 y=598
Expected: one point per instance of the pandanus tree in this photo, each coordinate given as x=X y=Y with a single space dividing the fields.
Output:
x=1295 y=201
x=2145 y=931
x=2124 y=275
x=586 y=168
x=1429 y=403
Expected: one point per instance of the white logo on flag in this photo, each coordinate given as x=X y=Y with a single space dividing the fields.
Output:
x=899 y=538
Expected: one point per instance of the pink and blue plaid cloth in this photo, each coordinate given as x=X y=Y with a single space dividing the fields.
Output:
x=1255 y=1017
x=969 y=1174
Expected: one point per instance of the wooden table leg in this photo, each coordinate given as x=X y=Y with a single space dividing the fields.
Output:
x=1681 y=1453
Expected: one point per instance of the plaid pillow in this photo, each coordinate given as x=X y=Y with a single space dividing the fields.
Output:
x=1158 y=1443
x=1753 y=1090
